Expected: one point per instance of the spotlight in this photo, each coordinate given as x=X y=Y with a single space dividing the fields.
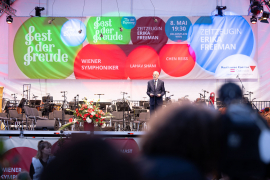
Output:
x=9 y=19
x=220 y=8
x=253 y=20
x=38 y=10
x=121 y=29
x=80 y=31
x=155 y=20
x=51 y=20
x=101 y=35
x=265 y=15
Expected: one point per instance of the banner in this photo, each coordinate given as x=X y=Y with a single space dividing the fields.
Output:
x=19 y=152
x=179 y=47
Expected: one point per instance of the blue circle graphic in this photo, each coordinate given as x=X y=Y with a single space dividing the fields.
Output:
x=128 y=22
x=73 y=32
x=214 y=38
x=177 y=28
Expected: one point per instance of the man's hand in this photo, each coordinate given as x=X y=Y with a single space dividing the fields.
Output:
x=158 y=95
x=151 y=95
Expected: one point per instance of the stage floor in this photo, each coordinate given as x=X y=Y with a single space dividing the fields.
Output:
x=69 y=133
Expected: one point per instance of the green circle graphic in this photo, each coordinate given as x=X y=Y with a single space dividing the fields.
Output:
x=109 y=27
x=39 y=51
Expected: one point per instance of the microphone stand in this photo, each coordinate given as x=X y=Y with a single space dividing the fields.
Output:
x=204 y=91
x=241 y=84
x=14 y=96
x=99 y=96
x=76 y=98
x=249 y=92
x=28 y=88
x=124 y=108
x=63 y=106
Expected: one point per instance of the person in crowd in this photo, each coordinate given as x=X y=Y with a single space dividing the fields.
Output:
x=245 y=137
x=183 y=143
x=41 y=160
x=24 y=175
x=90 y=158
x=155 y=90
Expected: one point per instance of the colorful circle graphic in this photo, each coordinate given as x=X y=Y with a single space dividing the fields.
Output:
x=177 y=60
x=39 y=51
x=106 y=30
x=177 y=28
x=215 y=38
x=73 y=32
x=100 y=62
x=128 y=22
x=149 y=30
x=142 y=62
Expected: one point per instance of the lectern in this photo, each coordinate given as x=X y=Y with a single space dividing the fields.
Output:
x=1 y=97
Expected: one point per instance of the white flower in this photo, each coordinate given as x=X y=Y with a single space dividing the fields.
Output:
x=88 y=120
x=93 y=113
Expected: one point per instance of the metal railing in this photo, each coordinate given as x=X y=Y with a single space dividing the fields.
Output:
x=260 y=104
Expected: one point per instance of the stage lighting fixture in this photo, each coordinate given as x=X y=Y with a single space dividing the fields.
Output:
x=121 y=29
x=265 y=15
x=155 y=20
x=51 y=20
x=220 y=8
x=9 y=19
x=256 y=7
x=253 y=20
x=80 y=31
x=38 y=10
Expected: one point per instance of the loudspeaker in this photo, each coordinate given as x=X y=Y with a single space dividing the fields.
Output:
x=46 y=125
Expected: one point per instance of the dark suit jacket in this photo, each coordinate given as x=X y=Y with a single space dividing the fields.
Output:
x=159 y=90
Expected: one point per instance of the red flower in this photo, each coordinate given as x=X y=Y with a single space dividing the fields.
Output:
x=85 y=115
x=84 y=106
x=99 y=116
x=84 y=119
x=77 y=110
x=89 y=110
x=96 y=115
x=70 y=120
x=94 y=106
x=77 y=122
x=100 y=124
x=91 y=116
x=81 y=109
x=96 y=120
x=102 y=120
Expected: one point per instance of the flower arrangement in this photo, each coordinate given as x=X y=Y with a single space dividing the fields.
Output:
x=87 y=112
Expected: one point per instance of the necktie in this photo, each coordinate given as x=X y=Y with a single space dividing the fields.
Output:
x=155 y=84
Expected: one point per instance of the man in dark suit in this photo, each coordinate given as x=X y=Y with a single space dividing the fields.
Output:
x=155 y=90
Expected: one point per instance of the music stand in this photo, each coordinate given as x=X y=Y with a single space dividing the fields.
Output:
x=102 y=105
x=122 y=106
x=141 y=103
